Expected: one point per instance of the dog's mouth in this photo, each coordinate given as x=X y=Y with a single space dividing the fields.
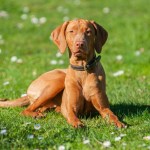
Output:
x=80 y=53
x=77 y=54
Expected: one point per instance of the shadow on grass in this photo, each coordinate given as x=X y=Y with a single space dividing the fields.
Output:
x=122 y=110
x=129 y=109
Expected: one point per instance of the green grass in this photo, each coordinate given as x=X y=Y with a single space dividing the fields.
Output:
x=128 y=26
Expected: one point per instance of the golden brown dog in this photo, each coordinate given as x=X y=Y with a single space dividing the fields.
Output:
x=78 y=90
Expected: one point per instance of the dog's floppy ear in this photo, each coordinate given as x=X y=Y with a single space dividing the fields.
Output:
x=101 y=36
x=58 y=37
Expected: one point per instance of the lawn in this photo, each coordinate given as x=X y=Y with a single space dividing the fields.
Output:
x=26 y=51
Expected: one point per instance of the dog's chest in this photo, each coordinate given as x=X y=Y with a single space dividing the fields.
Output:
x=89 y=84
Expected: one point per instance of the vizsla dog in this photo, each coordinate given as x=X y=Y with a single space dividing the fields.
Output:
x=78 y=90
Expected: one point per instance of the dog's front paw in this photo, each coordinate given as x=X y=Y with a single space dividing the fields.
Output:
x=119 y=124
x=76 y=124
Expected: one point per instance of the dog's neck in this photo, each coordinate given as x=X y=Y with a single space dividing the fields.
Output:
x=84 y=64
x=81 y=60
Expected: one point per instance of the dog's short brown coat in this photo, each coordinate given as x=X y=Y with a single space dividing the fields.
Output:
x=69 y=91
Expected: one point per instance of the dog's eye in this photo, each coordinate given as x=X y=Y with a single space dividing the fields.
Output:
x=71 y=31
x=88 y=32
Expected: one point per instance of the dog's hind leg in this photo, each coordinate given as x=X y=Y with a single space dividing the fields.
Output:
x=48 y=94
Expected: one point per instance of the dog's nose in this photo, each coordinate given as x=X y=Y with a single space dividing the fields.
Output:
x=79 y=44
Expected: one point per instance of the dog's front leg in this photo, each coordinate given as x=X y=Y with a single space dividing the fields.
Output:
x=100 y=102
x=73 y=103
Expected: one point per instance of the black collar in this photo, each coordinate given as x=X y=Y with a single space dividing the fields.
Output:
x=88 y=66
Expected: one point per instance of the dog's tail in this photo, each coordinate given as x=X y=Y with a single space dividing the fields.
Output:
x=23 y=101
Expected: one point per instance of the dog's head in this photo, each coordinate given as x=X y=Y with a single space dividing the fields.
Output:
x=81 y=37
